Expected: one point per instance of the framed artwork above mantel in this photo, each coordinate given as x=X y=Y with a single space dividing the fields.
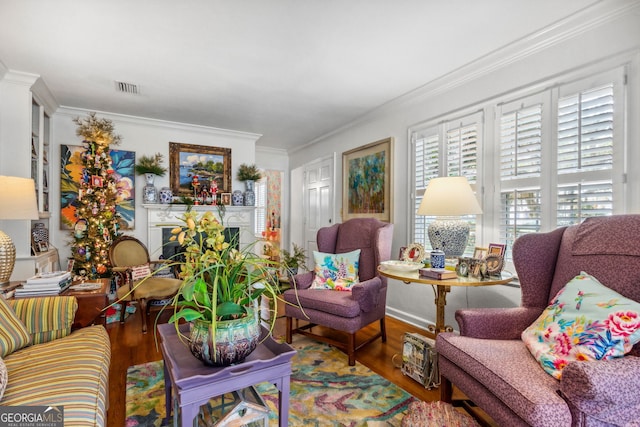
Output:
x=207 y=163
x=367 y=176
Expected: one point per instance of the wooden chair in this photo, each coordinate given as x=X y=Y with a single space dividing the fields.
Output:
x=129 y=256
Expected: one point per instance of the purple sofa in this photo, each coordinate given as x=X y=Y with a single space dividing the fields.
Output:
x=344 y=311
x=490 y=364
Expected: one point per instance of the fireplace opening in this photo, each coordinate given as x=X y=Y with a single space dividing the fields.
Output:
x=172 y=250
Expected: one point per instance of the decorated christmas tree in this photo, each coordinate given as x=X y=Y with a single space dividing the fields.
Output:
x=97 y=222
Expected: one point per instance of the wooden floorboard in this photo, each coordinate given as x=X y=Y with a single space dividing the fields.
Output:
x=129 y=346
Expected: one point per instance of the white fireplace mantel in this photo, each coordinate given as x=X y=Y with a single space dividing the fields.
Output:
x=167 y=216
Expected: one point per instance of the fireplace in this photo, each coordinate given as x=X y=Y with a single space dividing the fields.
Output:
x=171 y=249
x=161 y=219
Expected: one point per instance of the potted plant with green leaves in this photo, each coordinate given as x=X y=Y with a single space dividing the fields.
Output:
x=150 y=167
x=220 y=291
x=294 y=260
x=249 y=174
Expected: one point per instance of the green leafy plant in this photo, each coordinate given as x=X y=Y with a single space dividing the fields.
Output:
x=294 y=260
x=248 y=172
x=219 y=281
x=150 y=164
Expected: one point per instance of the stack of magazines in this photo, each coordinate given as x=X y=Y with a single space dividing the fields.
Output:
x=45 y=284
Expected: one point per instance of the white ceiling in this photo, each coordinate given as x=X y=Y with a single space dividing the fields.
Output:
x=291 y=70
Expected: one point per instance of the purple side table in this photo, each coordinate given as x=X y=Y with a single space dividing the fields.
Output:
x=196 y=383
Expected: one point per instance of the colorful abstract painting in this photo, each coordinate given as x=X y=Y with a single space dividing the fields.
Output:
x=70 y=178
x=367 y=175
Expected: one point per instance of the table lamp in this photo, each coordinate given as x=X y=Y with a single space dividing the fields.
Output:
x=448 y=198
x=17 y=201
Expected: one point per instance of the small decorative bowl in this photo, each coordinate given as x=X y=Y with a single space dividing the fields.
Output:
x=402 y=265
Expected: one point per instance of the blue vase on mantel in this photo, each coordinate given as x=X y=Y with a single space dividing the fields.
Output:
x=237 y=199
x=249 y=194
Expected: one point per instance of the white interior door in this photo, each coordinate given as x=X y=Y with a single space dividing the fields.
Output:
x=318 y=199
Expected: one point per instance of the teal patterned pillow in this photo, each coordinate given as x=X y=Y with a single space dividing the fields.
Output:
x=585 y=321
x=336 y=271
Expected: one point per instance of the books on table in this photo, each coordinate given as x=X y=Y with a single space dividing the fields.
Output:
x=437 y=273
x=44 y=284
x=48 y=278
x=8 y=290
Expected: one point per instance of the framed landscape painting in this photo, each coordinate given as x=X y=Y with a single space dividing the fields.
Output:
x=187 y=161
x=71 y=173
x=367 y=174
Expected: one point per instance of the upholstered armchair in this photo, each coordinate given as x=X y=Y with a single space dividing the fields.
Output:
x=490 y=364
x=129 y=258
x=346 y=311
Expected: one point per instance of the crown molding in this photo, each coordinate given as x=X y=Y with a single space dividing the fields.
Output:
x=144 y=121
x=590 y=17
x=43 y=95
x=20 y=78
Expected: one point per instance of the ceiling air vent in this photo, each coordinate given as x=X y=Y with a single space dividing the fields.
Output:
x=127 y=88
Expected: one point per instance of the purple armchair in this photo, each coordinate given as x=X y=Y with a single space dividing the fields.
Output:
x=344 y=311
x=490 y=364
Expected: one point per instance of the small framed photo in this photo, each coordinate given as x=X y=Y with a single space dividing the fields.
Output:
x=414 y=252
x=497 y=249
x=494 y=264
x=225 y=199
x=70 y=263
x=480 y=253
x=43 y=246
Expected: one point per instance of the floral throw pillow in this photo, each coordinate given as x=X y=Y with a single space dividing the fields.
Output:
x=585 y=321
x=336 y=271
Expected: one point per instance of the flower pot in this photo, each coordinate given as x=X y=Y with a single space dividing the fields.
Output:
x=235 y=340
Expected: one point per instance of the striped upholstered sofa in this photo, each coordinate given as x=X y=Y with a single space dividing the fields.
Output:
x=45 y=364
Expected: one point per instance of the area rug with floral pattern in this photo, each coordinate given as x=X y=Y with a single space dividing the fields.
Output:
x=325 y=391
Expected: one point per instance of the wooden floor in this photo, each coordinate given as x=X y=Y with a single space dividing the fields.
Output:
x=129 y=346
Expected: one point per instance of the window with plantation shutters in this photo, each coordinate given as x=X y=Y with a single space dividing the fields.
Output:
x=520 y=165
x=521 y=214
x=557 y=151
x=586 y=125
x=585 y=131
x=521 y=143
x=582 y=200
x=449 y=148
x=260 y=189
x=553 y=156
x=426 y=153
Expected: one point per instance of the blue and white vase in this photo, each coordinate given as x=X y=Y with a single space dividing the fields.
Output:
x=249 y=194
x=166 y=195
x=237 y=199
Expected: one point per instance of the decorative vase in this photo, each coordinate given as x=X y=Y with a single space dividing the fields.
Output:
x=149 y=192
x=235 y=340
x=237 y=199
x=249 y=194
x=166 y=195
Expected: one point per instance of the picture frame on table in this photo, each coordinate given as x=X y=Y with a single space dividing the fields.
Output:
x=367 y=176
x=225 y=199
x=414 y=252
x=480 y=253
x=497 y=249
x=205 y=162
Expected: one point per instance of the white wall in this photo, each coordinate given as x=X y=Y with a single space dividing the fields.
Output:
x=604 y=36
x=147 y=137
